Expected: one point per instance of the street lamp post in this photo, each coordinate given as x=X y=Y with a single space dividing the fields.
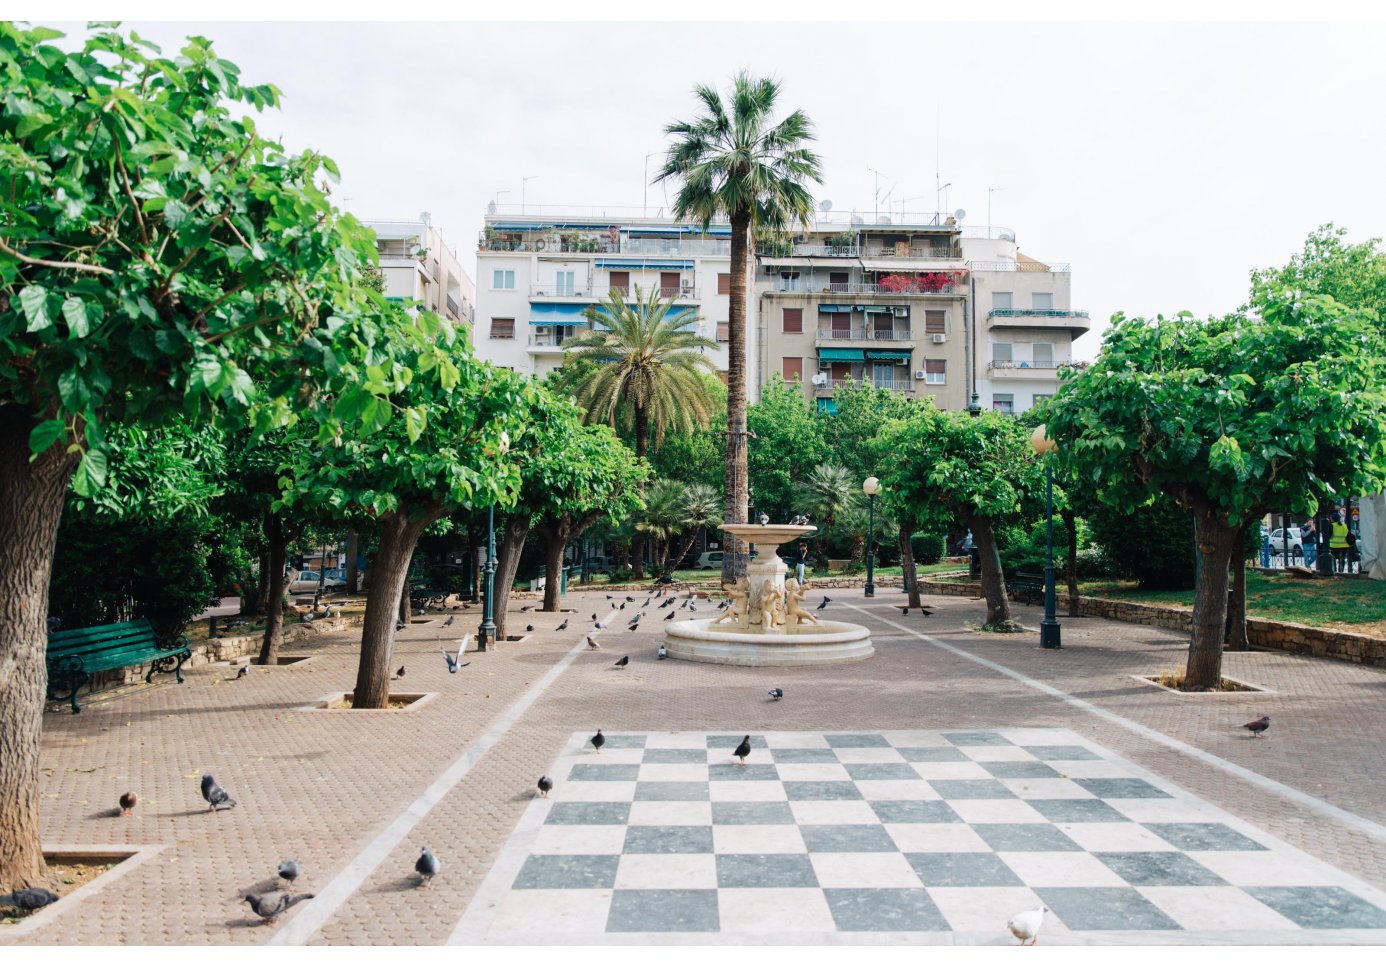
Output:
x=1049 y=628
x=871 y=486
x=486 y=635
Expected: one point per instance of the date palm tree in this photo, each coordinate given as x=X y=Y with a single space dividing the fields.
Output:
x=829 y=495
x=735 y=162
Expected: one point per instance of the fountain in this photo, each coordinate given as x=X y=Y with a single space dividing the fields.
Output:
x=768 y=622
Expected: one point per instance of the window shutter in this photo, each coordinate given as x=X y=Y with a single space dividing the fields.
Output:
x=793 y=321
x=502 y=328
x=724 y=283
x=792 y=368
x=934 y=321
x=723 y=332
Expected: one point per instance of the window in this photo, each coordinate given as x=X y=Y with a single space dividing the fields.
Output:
x=935 y=371
x=503 y=279
x=1001 y=300
x=724 y=332
x=792 y=368
x=724 y=283
x=669 y=284
x=1043 y=354
x=502 y=328
x=793 y=321
x=1042 y=300
x=883 y=375
x=620 y=281
x=1004 y=402
x=935 y=321
x=840 y=325
x=789 y=282
x=1001 y=352
x=564 y=283
x=837 y=281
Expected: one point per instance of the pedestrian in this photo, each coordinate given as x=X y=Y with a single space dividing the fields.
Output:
x=1338 y=541
x=967 y=544
x=1309 y=542
x=800 y=561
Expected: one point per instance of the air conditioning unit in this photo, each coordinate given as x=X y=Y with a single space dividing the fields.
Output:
x=900 y=311
x=820 y=379
x=940 y=337
x=920 y=375
x=825 y=365
x=858 y=309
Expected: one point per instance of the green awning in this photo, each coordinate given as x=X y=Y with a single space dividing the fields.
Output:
x=841 y=355
x=889 y=355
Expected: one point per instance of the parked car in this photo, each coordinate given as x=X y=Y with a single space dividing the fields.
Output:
x=709 y=560
x=1278 y=540
x=306 y=583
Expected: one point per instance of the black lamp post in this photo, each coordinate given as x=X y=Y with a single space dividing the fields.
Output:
x=871 y=486
x=750 y=517
x=486 y=635
x=974 y=406
x=1049 y=628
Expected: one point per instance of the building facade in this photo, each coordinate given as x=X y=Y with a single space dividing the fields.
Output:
x=539 y=271
x=418 y=265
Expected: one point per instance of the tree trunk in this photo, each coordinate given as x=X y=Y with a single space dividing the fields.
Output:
x=555 y=533
x=1215 y=541
x=683 y=550
x=1237 y=602
x=734 y=560
x=32 y=494
x=353 y=574
x=907 y=569
x=274 y=602
x=508 y=551
x=993 y=579
x=390 y=572
x=1070 y=520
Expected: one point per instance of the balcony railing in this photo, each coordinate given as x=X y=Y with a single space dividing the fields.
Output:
x=454 y=308
x=584 y=290
x=809 y=250
x=684 y=247
x=984 y=266
x=1051 y=313
x=549 y=340
x=866 y=332
x=901 y=386
x=1044 y=368
x=908 y=252
x=865 y=289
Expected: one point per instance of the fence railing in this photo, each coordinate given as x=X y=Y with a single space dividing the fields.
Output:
x=1032 y=365
x=865 y=333
x=985 y=266
x=1051 y=313
x=903 y=386
x=866 y=289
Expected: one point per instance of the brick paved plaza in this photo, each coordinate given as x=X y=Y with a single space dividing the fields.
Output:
x=923 y=795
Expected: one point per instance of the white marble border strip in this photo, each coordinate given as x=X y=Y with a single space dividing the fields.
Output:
x=133 y=856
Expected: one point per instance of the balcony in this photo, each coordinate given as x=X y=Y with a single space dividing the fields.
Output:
x=1073 y=321
x=864 y=289
x=546 y=344
x=902 y=250
x=679 y=247
x=899 y=386
x=1028 y=265
x=1026 y=370
x=891 y=334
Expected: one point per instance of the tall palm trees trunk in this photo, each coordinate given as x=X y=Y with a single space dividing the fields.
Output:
x=642 y=438
x=734 y=559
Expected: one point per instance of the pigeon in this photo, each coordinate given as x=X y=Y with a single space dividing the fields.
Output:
x=399 y=673
x=598 y=741
x=621 y=607
x=744 y=750
x=1026 y=924
x=669 y=616
x=633 y=627
x=594 y=616
x=1258 y=726
x=904 y=609
x=399 y=626
x=777 y=694
x=610 y=597
x=269 y=906
x=529 y=628
x=562 y=627
x=924 y=611
x=629 y=599
x=692 y=607
x=28 y=898
x=526 y=608
x=647 y=602
x=427 y=867
x=545 y=785
x=290 y=870
x=821 y=605
x=601 y=625
x=592 y=644
x=244 y=671
x=451 y=619
x=214 y=794
x=622 y=662
x=127 y=804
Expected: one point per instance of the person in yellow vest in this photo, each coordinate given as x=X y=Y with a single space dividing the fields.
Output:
x=1338 y=541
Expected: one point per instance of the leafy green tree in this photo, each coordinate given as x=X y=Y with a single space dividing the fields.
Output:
x=736 y=162
x=788 y=444
x=828 y=494
x=152 y=247
x=950 y=467
x=695 y=456
x=1231 y=418
x=1353 y=274
x=699 y=507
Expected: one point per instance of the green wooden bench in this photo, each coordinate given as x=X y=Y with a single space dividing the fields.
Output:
x=1028 y=588
x=73 y=656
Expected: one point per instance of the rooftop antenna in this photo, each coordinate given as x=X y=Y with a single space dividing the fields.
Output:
x=645 y=202
x=523 y=181
x=989 y=191
x=503 y=191
x=938 y=190
x=878 y=190
x=425 y=218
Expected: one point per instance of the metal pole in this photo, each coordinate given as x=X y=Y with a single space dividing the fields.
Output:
x=870 y=588
x=1049 y=628
x=487 y=634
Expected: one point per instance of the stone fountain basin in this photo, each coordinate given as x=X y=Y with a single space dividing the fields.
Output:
x=698 y=640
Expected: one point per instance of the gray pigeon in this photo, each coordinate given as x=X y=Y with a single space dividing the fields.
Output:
x=427 y=867
x=28 y=898
x=290 y=870
x=451 y=619
x=1258 y=726
x=274 y=903
x=245 y=671
x=777 y=693
x=663 y=653
x=598 y=741
x=563 y=626
x=669 y=616
x=214 y=794
x=529 y=628
x=744 y=750
x=622 y=662
x=545 y=785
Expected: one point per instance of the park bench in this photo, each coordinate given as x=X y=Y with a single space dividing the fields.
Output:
x=73 y=656
x=1028 y=588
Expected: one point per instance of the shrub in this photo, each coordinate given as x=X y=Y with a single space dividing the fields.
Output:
x=1153 y=544
x=928 y=548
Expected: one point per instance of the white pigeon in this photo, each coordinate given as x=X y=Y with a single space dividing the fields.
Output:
x=1026 y=924
x=592 y=644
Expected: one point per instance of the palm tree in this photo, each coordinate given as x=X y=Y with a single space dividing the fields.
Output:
x=828 y=494
x=646 y=364
x=699 y=509
x=743 y=166
x=662 y=518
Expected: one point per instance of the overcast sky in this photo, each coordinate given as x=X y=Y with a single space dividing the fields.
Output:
x=1162 y=161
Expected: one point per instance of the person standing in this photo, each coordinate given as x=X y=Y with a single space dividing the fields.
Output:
x=800 y=561
x=1338 y=541
x=1309 y=542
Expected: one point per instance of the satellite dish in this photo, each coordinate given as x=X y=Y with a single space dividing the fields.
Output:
x=960 y=214
x=885 y=219
x=490 y=208
x=826 y=205
x=1006 y=237
x=857 y=219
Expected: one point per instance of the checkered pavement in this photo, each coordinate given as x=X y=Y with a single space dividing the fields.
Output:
x=894 y=835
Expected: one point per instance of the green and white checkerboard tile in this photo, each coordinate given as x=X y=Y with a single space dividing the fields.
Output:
x=915 y=836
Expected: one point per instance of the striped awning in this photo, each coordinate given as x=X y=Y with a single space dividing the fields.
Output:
x=556 y=314
x=836 y=354
x=889 y=355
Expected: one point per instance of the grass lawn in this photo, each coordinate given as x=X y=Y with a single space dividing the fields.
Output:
x=1356 y=603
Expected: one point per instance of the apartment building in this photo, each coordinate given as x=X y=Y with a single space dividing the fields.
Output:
x=418 y=265
x=917 y=304
x=539 y=270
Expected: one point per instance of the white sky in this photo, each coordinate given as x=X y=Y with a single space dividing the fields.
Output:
x=1163 y=161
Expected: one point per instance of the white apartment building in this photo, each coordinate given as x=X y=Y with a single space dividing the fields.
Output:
x=418 y=265
x=539 y=270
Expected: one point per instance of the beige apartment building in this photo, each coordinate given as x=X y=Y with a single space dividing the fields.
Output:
x=418 y=265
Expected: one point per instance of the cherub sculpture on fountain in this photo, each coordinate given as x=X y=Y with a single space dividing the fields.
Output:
x=771 y=607
x=794 y=594
x=736 y=612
